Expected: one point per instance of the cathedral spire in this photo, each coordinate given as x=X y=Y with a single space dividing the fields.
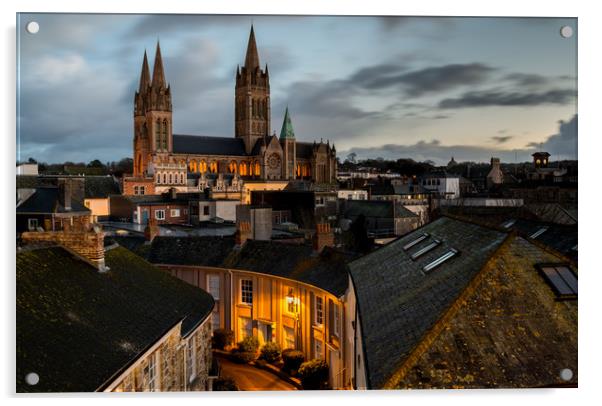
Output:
x=252 y=58
x=287 y=127
x=158 y=74
x=144 y=75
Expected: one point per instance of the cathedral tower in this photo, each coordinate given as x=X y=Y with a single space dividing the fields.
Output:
x=252 y=98
x=152 y=115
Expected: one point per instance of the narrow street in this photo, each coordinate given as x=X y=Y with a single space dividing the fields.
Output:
x=250 y=378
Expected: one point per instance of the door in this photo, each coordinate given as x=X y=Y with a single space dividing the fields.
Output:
x=144 y=217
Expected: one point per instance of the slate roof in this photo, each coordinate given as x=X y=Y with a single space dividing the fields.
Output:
x=261 y=142
x=326 y=270
x=375 y=208
x=94 y=186
x=77 y=328
x=304 y=149
x=561 y=238
x=198 y=144
x=399 y=303
x=98 y=187
x=201 y=250
x=45 y=200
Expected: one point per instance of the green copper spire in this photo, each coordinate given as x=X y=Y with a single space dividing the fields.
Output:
x=287 y=127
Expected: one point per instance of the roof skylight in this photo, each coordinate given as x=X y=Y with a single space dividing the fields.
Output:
x=449 y=254
x=415 y=241
x=426 y=249
x=539 y=232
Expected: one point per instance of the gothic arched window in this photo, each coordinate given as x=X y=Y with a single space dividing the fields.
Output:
x=213 y=167
x=202 y=166
x=192 y=166
x=158 y=134
x=164 y=136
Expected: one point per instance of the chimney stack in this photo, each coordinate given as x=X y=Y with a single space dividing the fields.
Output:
x=324 y=237
x=65 y=193
x=151 y=230
x=243 y=232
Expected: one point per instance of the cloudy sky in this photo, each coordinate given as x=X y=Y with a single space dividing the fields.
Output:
x=416 y=87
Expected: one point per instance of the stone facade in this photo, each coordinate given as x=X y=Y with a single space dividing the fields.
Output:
x=168 y=160
x=174 y=363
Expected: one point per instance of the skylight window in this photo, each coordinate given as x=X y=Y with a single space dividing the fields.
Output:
x=539 y=232
x=449 y=254
x=416 y=241
x=426 y=249
x=509 y=223
x=562 y=280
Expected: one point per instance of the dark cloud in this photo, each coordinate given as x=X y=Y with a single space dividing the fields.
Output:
x=502 y=139
x=155 y=24
x=562 y=145
x=527 y=79
x=418 y=82
x=512 y=98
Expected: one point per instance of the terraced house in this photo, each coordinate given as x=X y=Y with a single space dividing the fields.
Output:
x=292 y=294
x=94 y=321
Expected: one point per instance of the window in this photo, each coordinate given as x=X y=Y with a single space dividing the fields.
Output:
x=561 y=279
x=246 y=291
x=319 y=310
x=141 y=190
x=160 y=214
x=213 y=286
x=336 y=321
x=449 y=254
x=426 y=249
x=318 y=349
x=136 y=191
x=416 y=241
x=289 y=337
x=32 y=224
x=150 y=374
x=245 y=327
x=191 y=358
x=539 y=232
x=174 y=213
x=205 y=210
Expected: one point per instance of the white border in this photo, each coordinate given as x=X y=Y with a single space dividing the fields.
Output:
x=589 y=147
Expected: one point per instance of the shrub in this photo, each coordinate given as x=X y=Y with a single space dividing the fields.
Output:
x=292 y=360
x=314 y=374
x=222 y=338
x=224 y=384
x=249 y=344
x=270 y=352
x=242 y=357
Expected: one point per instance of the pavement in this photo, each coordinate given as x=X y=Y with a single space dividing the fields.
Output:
x=248 y=377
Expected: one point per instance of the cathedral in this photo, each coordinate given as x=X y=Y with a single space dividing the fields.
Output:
x=164 y=160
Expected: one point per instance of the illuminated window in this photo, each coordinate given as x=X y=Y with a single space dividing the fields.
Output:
x=174 y=213
x=150 y=374
x=213 y=286
x=246 y=291
x=318 y=310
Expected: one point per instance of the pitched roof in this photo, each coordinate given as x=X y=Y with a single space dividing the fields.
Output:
x=399 y=303
x=200 y=144
x=375 y=208
x=77 y=328
x=204 y=250
x=96 y=187
x=45 y=200
x=508 y=332
x=326 y=270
